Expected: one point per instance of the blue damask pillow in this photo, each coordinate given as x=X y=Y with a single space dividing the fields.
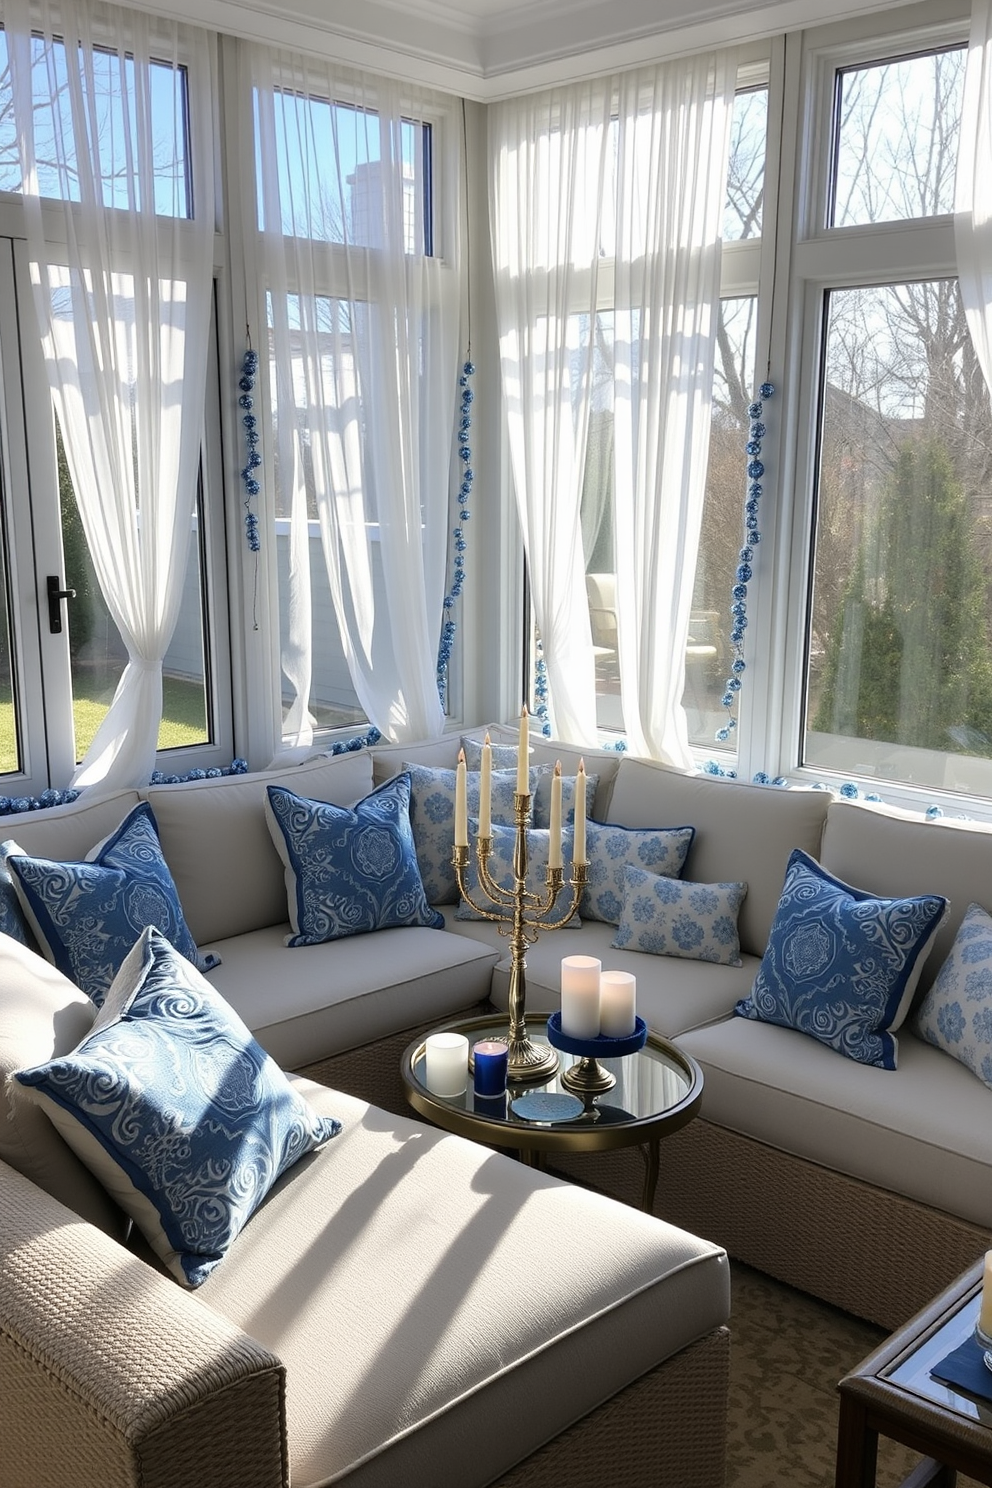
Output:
x=842 y=964
x=349 y=870
x=500 y=868
x=174 y=1107
x=12 y=920
x=610 y=850
x=87 y=916
x=432 y=817
x=670 y=917
x=956 y=1013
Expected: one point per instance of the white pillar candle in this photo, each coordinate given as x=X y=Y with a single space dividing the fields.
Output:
x=554 y=835
x=447 y=1063
x=486 y=790
x=617 y=1003
x=461 y=803
x=580 y=996
x=985 y=1315
x=523 y=756
x=579 y=839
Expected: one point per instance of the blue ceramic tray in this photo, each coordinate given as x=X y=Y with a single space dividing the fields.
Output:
x=597 y=1048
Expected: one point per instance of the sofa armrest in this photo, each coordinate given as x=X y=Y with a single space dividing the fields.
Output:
x=112 y=1376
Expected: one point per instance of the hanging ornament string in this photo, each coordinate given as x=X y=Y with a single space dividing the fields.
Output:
x=253 y=462
x=745 y=571
x=458 y=532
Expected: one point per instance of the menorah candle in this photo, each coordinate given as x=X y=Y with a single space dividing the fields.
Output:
x=486 y=790
x=580 y=996
x=523 y=755
x=447 y=1063
x=554 y=835
x=461 y=802
x=579 y=827
x=617 y=1003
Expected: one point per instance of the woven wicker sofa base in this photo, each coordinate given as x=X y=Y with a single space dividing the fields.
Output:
x=666 y=1430
x=871 y=1252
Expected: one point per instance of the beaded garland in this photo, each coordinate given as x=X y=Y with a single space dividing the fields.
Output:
x=458 y=533
x=246 y=383
x=752 y=536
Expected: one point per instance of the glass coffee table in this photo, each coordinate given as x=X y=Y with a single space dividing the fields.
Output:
x=657 y=1090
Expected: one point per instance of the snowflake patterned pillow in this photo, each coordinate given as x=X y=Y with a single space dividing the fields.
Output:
x=432 y=817
x=956 y=1013
x=611 y=850
x=671 y=917
x=842 y=964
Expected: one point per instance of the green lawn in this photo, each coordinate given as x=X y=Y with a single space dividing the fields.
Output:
x=183 y=717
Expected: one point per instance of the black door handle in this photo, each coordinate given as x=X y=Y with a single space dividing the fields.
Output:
x=56 y=595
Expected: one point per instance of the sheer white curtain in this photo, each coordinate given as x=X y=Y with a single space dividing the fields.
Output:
x=973 y=199
x=362 y=309
x=121 y=259
x=626 y=172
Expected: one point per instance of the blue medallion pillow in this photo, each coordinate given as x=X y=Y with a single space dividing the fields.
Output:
x=672 y=917
x=611 y=850
x=176 y=1109
x=349 y=870
x=86 y=916
x=500 y=868
x=432 y=817
x=842 y=964
x=956 y=1013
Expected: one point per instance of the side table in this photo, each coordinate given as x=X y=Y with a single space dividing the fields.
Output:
x=657 y=1090
x=893 y=1393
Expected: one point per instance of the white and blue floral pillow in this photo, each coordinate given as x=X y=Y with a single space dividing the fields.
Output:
x=432 y=817
x=842 y=964
x=611 y=850
x=505 y=758
x=956 y=1013
x=671 y=917
x=86 y=916
x=349 y=870
x=500 y=869
x=176 y=1109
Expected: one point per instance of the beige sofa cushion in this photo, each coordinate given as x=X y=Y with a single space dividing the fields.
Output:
x=744 y=833
x=305 y=1003
x=42 y=1015
x=227 y=871
x=923 y=1130
x=68 y=833
x=893 y=852
x=412 y=1245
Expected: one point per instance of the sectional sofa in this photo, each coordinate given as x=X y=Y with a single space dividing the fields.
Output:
x=360 y=1329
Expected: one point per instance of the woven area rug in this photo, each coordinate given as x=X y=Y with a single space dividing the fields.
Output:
x=787 y=1353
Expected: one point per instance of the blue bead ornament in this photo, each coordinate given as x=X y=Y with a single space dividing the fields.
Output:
x=459 y=544
x=253 y=461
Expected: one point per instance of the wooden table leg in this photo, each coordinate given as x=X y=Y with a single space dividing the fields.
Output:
x=857 y=1447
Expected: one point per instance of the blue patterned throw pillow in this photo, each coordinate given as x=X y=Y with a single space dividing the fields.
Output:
x=432 y=817
x=87 y=916
x=842 y=964
x=349 y=870
x=176 y=1109
x=500 y=868
x=670 y=917
x=12 y=920
x=956 y=1013
x=505 y=758
x=610 y=850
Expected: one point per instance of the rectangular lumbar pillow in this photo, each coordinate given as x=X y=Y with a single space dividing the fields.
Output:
x=610 y=850
x=179 y=1112
x=956 y=1013
x=500 y=869
x=86 y=916
x=349 y=870
x=842 y=964
x=432 y=817
x=672 y=917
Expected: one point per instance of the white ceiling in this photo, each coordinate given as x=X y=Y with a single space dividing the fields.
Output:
x=487 y=49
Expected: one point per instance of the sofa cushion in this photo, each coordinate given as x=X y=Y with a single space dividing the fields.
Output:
x=407 y=1242
x=176 y=1109
x=306 y=1004
x=348 y=870
x=611 y=849
x=226 y=868
x=70 y=831
x=842 y=964
x=671 y=917
x=42 y=1016
x=923 y=1130
x=432 y=817
x=956 y=1013
x=744 y=833
x=501 y=870
x=86 y=916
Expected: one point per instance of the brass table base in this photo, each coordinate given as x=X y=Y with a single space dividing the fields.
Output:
x=588 y=1077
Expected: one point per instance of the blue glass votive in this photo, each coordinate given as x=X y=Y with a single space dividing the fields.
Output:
x=490 y=1057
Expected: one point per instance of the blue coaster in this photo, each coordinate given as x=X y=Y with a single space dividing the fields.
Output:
x=543 y=1105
